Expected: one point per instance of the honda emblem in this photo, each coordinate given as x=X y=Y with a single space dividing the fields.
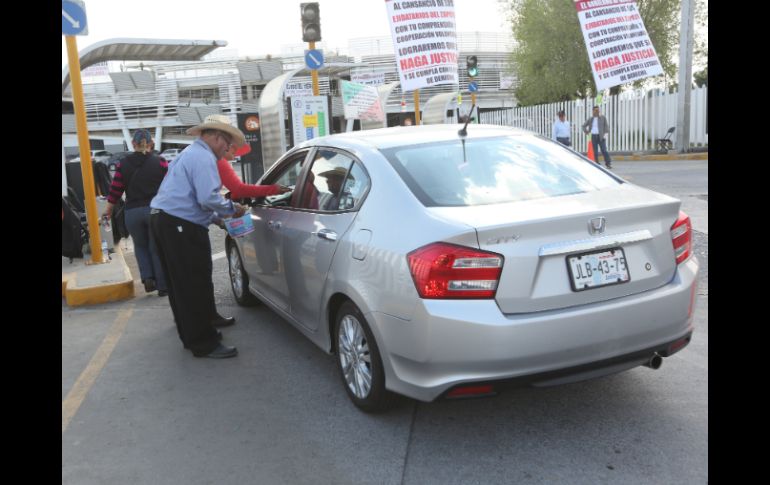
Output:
x=596 y=225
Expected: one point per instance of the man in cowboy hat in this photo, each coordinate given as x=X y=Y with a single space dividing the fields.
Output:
x=334 y=179
x=188 y=201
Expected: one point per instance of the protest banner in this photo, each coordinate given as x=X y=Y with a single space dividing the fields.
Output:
x=619 y=48
x=425 y=42
x=361 y=102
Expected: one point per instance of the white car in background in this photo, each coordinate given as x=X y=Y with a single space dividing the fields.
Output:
x=171 y=154
x=100 y=156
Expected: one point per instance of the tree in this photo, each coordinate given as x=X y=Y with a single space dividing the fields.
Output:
x=550 y=59
x=701 y=78
x=701 y=49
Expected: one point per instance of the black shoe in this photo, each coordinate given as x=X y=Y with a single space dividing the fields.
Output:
x=219 y=337
x=221 y=352
x=149 y=285
x=221 y=321
x=609 y=165
x=162 y=293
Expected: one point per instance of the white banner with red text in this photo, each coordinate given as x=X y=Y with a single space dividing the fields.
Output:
x=425 y=42
x=619 y=48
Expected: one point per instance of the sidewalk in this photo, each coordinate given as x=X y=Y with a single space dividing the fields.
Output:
x=84 y=283
x=651 y=157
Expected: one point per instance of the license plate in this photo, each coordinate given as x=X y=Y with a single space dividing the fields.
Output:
x=597 y=269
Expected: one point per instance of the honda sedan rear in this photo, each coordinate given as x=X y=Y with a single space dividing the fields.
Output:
x=434 y=264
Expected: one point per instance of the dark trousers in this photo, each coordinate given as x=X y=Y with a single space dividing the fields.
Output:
x=185 y=254
x=563 y=141
x=599 y=141
x=145 y=249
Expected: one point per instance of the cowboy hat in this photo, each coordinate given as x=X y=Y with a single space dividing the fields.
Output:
x=221 y=123
x=335 y=172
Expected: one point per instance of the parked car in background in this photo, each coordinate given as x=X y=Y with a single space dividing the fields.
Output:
x=435 y=264
x=170 y=154
x=100 y=156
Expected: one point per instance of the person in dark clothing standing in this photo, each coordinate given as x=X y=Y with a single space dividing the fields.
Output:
x=598 y=127
x=140 y=175
x=188 y=201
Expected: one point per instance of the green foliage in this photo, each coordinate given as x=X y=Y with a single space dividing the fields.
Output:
x=550 y=60
x=701 y=78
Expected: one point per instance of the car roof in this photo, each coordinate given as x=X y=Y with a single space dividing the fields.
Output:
x=383 y=138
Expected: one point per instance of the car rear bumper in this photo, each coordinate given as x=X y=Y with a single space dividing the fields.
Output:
x=447 y=342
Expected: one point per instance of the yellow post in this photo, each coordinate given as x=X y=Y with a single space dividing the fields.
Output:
x=473 y=103
x=314 y=73
x=416 y=106
x=86 y=167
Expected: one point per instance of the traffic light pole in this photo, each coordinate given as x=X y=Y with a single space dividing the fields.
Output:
x=86 y=166
x=416 y=106
x=314 y=73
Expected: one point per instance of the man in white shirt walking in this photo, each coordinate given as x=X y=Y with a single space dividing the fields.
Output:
x=560 y=130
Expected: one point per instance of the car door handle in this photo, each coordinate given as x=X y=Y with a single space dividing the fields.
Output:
x=274 y=224
x=327 y=234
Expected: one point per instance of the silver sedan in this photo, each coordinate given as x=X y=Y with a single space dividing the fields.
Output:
x=439 y=264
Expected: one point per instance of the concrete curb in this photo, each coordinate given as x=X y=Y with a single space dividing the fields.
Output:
x=676 y=156
x=92 y=284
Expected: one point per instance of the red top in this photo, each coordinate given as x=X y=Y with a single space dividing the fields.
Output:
x=239 y=190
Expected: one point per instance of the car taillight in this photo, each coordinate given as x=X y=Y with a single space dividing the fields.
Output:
x=681 y=236
x=442 y=270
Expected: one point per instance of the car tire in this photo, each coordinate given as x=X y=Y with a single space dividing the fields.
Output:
x=239 y=280
x=359 y=362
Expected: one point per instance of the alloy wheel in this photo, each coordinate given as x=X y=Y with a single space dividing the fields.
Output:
x=236 y=273
x=354 y=356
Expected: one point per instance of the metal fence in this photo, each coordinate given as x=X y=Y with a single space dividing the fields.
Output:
x=636 y=119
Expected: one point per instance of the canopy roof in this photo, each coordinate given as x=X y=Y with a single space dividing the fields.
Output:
x=125 y=49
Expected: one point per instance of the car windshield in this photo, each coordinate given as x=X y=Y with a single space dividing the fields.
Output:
x=495 y=170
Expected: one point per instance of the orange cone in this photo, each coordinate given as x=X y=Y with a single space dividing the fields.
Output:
x=591 y=150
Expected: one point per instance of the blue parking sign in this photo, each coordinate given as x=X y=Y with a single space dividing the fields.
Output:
x=73 y=18
x=314 y=59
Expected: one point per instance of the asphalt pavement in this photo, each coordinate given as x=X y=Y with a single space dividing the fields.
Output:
x=139 y=409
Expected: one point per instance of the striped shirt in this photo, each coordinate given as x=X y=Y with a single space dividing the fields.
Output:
x=139 y=175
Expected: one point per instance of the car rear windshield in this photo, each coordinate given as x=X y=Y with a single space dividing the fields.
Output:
x=494 y=170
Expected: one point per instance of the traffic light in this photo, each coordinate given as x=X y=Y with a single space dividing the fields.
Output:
x=311 y=22
x=473 y=66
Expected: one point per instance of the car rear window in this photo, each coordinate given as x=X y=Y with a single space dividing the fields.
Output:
x=494 y=170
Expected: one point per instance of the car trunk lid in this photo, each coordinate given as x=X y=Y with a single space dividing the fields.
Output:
x=536 y=238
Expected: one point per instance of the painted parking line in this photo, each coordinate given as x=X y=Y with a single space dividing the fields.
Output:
x=216 y=256
x=79 y=391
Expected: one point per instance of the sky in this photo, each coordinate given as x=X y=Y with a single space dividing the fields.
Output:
x=259 y=27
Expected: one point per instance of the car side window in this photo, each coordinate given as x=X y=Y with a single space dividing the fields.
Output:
x=335 y=182
x=356 y=186
x=287 y=175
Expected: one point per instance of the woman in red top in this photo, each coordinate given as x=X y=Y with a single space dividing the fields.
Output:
x=239 y=190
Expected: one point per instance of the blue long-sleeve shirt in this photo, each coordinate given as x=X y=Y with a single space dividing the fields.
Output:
x=191 y=189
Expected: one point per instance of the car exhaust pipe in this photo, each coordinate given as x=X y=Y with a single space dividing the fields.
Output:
x=655 y=361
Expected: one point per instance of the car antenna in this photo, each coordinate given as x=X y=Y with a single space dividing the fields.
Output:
x=462 y=133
